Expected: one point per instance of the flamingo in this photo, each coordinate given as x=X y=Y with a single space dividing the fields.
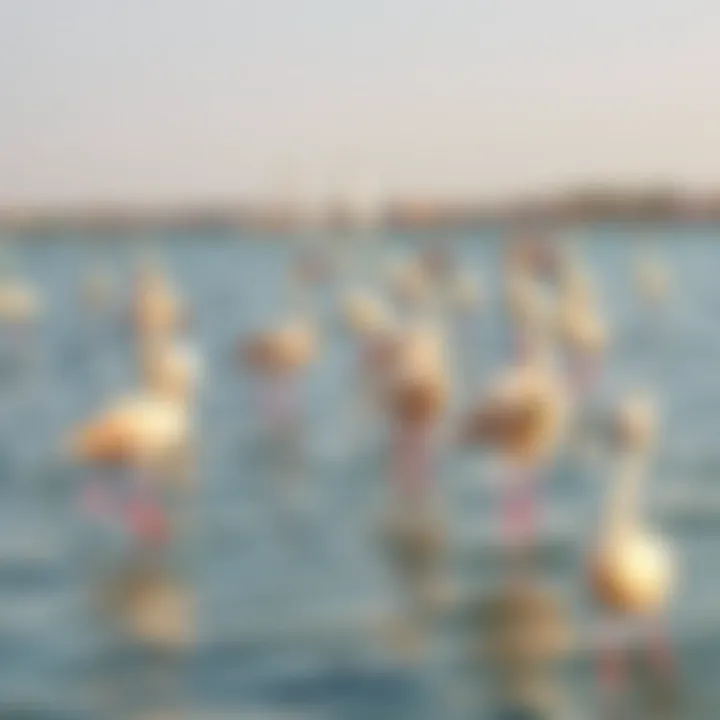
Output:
x=632 y=568
x=97 y=290
x=172 y=369
x=652 y=279
x=410 y=285
x=20 y=310
x=139 y=433
x=157 y=310
x=581 y=327
x=416 y=394
x=19 y=303
x=365 y=313
x=276 y=357
x=522 y=416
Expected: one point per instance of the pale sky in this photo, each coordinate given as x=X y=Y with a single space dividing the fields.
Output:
x=118 y=101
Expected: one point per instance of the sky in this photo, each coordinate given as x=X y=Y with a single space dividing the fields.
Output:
x=192 y=101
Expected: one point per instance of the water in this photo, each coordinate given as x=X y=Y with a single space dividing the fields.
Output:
x=290 y=614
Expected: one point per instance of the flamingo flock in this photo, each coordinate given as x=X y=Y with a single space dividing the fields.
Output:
x=523 y=414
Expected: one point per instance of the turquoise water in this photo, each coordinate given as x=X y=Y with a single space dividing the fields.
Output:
x=290 y=601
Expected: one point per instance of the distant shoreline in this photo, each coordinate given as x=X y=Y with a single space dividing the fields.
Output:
x=499 y=231
x=572 y=208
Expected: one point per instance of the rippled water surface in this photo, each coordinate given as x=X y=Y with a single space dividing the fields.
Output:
x=291 y=601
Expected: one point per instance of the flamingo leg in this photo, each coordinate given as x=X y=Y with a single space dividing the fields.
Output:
x=101 y=496
x=611 y=672
x=585 y=375
x=663 y=665
x=413 y=463
x=97 y=500
x=661 y=652
x=144 y=514
x=519 y=512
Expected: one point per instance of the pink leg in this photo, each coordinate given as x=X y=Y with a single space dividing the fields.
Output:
x=97 y=500
x=278 y=402
x=520 y=511
x=585 y=373
x=413 y=463
x=147 y=522
x=144 y=515
x=611 y=672
x=662 y=656
x=264 y=401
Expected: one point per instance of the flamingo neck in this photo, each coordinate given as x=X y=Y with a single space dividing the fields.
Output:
x=622 y=510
